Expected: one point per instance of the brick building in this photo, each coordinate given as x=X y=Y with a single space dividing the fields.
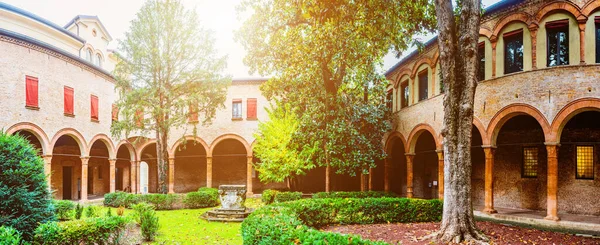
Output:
x=59 y=92
x=537 y=107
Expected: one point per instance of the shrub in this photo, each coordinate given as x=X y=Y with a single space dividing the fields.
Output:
x=268 y=196
x=120 y=198
x=86 y=231
x=25 y=199
x=109 y=212
x=201 y=199
x=149 y=224
x=161 y=201
x=287 y=196
x=139 y=209
x=92 y=211
x=9 y=236
x=120 y=210
x=78 y=211
x=64 y=209
x=212 y=191
x=295 y=222
x=354 y=194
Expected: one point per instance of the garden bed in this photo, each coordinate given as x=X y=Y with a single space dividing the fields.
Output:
x=411 y=233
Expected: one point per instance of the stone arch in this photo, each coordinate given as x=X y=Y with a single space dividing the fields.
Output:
x=569 y=111
x=391 y=136
x=35 y=130
x=511 y=111
x=435 y=58
x=557 y=6
x=229 y=136
x=515 y=17
x=112 y=151
x=485 y=32
x=72 y=133
x=590 y=7
x=143 y=146
x=419 y=64
x=477 y=123
x=129 y=147
x=401 y=74
x=188 y=138
x=416 y=132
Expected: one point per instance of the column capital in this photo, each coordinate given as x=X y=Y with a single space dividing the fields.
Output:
x=112 y=160
x=85 y=157
x=552 y=143
x=489 y=146
x=410 y=154
x=439 y=150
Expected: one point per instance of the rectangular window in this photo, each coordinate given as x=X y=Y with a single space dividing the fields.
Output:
x=558 y=42
x=585 y=162
x=31 y=92
x=389 y=100
x=481 y=59
x=423 y=85
x=513 y=51
x=251 y=113
x=597 y=23
x=69 y=101
x=193 y=114
x=405 y=94
x=115 y=112
x=530 y=162
x=236 y=109
x=94 y=107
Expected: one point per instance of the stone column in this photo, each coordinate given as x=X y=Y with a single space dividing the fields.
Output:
x=112 y=174
x=132 y=177
x=552 y=198
x=137 y=177
x=494 y=42
x=409 y=174
x=84 y=178
x=171 y=175
x=48 y=170
x=440 y=154
x=489 y=179
x=370 y=179
x=249 y=190
x=581 y=21
x=327 y=178
x=533 y=28
x=209 y=172
x=386 y=174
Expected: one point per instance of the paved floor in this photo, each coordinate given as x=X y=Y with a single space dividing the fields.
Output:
x=572 y=223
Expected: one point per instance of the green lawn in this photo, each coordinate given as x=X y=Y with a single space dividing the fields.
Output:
x=185 y=226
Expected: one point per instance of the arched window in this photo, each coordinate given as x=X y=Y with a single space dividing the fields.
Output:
x=99 y=60
x=88 y=55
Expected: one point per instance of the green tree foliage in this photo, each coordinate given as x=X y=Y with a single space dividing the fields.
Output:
x=324 y=58
x=170 y=70
x=281 y=160
x=25 y=199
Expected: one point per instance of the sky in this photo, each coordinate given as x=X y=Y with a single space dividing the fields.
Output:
x=218 y=15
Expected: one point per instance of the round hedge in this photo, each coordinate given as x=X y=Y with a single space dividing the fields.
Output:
x=25 y=200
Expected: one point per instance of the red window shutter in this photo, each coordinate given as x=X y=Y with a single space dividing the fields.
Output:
x=139 y=118
x=94 y=108
x=115 y=112
x=31 y=91
x=69 y=101
x=193 y=114
x=251 y=108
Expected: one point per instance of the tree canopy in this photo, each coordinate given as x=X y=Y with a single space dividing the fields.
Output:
x=170 y=71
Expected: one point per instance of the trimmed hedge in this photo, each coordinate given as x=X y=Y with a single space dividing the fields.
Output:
x=208 y=198
x=268 y=196
x=354 y=194
x=287 y=196
x=86 y=231
x=64 y=209
x=297 y=222
x=9 y=236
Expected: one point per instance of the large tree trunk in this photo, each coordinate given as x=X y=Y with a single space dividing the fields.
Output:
x=458 y=54
x=161 y=159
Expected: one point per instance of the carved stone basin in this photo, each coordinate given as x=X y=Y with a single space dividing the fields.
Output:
x=232 y=207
